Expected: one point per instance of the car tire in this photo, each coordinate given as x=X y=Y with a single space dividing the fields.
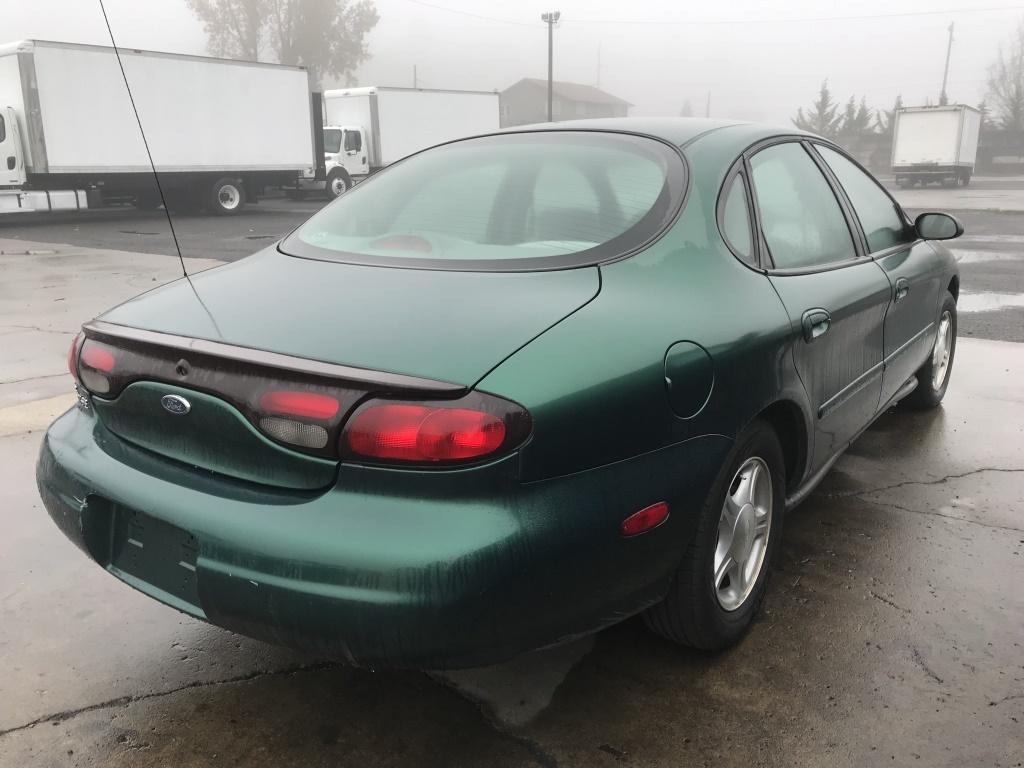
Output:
x=697 y=612
x=227 y=196
x=933 y=376
x=338 y=183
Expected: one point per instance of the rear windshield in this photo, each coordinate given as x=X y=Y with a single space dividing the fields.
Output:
x=536 y=200
x=332 y=140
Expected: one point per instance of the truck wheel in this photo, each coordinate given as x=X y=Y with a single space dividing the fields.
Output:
x=964 y=179
x=227 y=196
x=338 y=183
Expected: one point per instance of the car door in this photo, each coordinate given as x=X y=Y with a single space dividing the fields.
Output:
x=912 y=266
x=835 y=296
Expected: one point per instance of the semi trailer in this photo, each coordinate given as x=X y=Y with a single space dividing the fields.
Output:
x=219 y=131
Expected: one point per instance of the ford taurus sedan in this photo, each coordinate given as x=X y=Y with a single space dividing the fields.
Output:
x=509 y=391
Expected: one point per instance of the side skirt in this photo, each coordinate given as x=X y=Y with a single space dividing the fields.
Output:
x=801 y=493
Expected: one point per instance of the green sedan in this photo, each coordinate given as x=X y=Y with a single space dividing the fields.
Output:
x=511 y=390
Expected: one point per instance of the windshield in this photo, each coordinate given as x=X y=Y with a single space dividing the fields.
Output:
x=332 y=140
x=515 y=201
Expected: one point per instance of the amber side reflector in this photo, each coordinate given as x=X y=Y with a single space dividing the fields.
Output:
x=644 y=520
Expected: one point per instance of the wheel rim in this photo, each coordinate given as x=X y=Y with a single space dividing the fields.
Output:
x=338 y=186
x=941 y=350
x=229 y=197
x=743 y=530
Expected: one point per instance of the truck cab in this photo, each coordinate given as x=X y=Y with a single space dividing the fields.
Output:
x=346 y=157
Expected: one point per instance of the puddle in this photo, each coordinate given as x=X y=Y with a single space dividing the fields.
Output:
x=986 y=302
x=973 y=257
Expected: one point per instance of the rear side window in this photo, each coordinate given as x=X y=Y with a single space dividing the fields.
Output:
x=3 y=129
x=736 y=219
x=511 y=201
x=882 y=223
x=802 y=222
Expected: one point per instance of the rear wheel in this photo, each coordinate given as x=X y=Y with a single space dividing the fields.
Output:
x=724 y=573
x=933 y=376
x=227 y=196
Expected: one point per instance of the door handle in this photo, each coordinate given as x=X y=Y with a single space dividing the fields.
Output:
x=902 y=288
x=816 y=323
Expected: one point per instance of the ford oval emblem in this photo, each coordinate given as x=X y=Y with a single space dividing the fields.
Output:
x=175 y=404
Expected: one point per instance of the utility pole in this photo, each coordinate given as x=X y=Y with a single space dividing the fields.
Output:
x=707 y=106
x=943 y=99
x=598 y=83
x=415 y=79
x=551 y=18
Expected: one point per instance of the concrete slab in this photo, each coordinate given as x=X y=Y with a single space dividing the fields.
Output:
x=891 y=634
x=48 y=291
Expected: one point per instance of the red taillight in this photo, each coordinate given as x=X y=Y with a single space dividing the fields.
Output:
x=423 y=433
x=76 y=344
x=645 y=519
x=305 y=405
x=97 y=358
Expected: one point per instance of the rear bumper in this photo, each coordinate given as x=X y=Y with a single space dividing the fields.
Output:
x=414 y=569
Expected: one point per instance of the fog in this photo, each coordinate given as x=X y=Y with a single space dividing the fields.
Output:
x=758 y=59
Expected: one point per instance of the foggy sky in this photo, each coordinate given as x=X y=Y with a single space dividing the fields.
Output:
x=759 y=59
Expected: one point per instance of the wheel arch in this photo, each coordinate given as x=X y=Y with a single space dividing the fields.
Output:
x=787 y=419
x=954 y=287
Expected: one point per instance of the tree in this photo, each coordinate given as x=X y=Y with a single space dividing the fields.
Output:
x=856 y=118
x=328 y=37
x=1006 y=82
x=821 y=118
x=885 y=119
x=687 y=110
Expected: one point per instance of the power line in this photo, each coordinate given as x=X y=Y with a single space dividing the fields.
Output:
x=726 y=22
x=480 y=16
x=796 y=19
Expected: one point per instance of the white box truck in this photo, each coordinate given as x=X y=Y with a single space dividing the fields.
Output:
x=937 y=144
x=366 y=129
x=219 y=130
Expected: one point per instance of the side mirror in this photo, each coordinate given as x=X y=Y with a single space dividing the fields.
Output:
x=938 y=226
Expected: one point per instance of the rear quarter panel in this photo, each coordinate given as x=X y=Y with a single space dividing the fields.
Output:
x=595 y=383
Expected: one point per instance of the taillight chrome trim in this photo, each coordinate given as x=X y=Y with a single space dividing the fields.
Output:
x=382 y=379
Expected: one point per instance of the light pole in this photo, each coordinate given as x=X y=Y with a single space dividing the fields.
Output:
x=943 y=99
x=551 y=18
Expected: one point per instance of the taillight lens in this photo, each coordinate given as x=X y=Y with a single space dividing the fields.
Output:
x=96 y=362
x=469 y=429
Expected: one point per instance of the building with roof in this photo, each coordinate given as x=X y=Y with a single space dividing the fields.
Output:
x=527 y=102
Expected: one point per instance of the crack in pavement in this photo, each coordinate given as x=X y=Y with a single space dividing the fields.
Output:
x=123 y=701
x=919 y=660
x=34 y=378
x=40 y=329
x=933 y=513
x=887 y=601
x=939 y=481
x=539 y=754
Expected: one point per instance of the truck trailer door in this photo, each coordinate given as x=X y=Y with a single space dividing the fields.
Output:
x=12 y=159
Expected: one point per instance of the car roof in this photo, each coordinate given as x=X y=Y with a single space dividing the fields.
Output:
x=675 y=130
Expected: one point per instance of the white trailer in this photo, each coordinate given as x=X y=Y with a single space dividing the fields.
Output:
x=219 y=130
x=935 y=144
x=366 y=129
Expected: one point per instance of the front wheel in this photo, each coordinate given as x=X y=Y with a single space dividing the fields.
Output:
x=227 y=196
x=724 y=572
x=933 y=376
x=338 y=183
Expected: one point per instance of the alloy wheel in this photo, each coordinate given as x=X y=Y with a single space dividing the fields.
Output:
x=743 y=530
x=941 y=350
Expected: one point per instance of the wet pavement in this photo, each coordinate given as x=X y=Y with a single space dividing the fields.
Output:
x=892 y=632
